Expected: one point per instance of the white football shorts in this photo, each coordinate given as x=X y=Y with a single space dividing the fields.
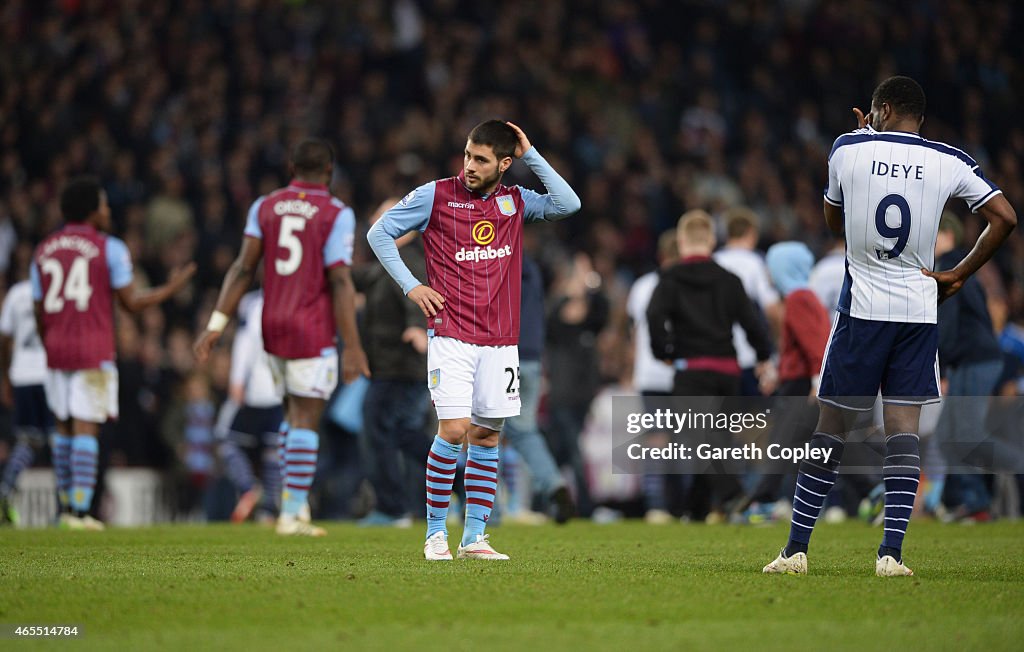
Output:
x=84 y=394
x=469 y=380
x=309 y=377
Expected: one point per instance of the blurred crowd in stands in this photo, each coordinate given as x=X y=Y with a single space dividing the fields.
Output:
x=187 y=111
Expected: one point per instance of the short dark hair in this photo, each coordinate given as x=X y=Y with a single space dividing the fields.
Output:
x=80 y=199
x=496 y=134
x=903 y=94
x=312 y=156
x=739 y=221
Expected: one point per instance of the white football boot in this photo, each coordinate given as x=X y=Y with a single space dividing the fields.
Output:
x=435 y=548
x=288 y=525
x=480 y=549
x=795 y=565
x=888 y=567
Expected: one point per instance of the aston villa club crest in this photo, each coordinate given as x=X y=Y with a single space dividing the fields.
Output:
x=506 y=205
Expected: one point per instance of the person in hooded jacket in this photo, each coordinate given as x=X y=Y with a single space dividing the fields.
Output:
x=805 y=329
x=691 y=314
x=690 y=319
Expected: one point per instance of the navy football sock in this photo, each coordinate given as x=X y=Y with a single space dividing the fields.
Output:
x=813 y=483
x=902 y=473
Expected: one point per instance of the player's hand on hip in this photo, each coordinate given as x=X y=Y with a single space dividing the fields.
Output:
x=523 y=145
x=948 y=282
x=428 y=299
x=354 y=364
x=205 y=344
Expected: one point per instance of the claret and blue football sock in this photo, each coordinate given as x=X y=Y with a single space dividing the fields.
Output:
x=84 y=463
x=300 y=467
x=481 y=481
x=442 y=461
x=61 y=448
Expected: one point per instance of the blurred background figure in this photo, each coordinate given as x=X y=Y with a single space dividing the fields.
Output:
x=805 y=328
x=189 y=428
x=397 y=403
x=739 y=255
x=249 y=421
x=691 y=318
x=653 y=377
x=22 y=374
x=521 y=432
x=579 y=310
x=971 y=364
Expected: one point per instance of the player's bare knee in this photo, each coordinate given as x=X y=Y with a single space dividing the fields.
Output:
x=80 y=427
x=481 y=436
x=831 y=420
x=485 y=431
x=901 y=418
x=304 y=412
x=454 y=431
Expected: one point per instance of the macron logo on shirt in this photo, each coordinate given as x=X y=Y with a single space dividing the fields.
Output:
x=459 y=204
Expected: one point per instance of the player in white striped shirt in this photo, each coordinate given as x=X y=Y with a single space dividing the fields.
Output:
x=22 y=374
x=249 y=421
x=887 y=188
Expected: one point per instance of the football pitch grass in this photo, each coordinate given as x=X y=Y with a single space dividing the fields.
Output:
x=624 y=586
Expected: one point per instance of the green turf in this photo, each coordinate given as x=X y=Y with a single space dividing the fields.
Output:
x=616 y=587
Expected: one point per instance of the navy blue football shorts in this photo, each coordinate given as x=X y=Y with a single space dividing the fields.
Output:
x=865 y=356
x=32 y=417
x=255 y=426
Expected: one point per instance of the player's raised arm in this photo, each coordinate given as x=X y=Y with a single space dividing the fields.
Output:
x=412 y=212
x=236 y=282
x=131 y=299
x=561 y=200
x=134 y=300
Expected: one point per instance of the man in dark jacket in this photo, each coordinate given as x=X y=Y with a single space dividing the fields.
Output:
x=396 y=405
x=521 y=432
x=692 y=312
x=970 y=361
x=690 y=319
